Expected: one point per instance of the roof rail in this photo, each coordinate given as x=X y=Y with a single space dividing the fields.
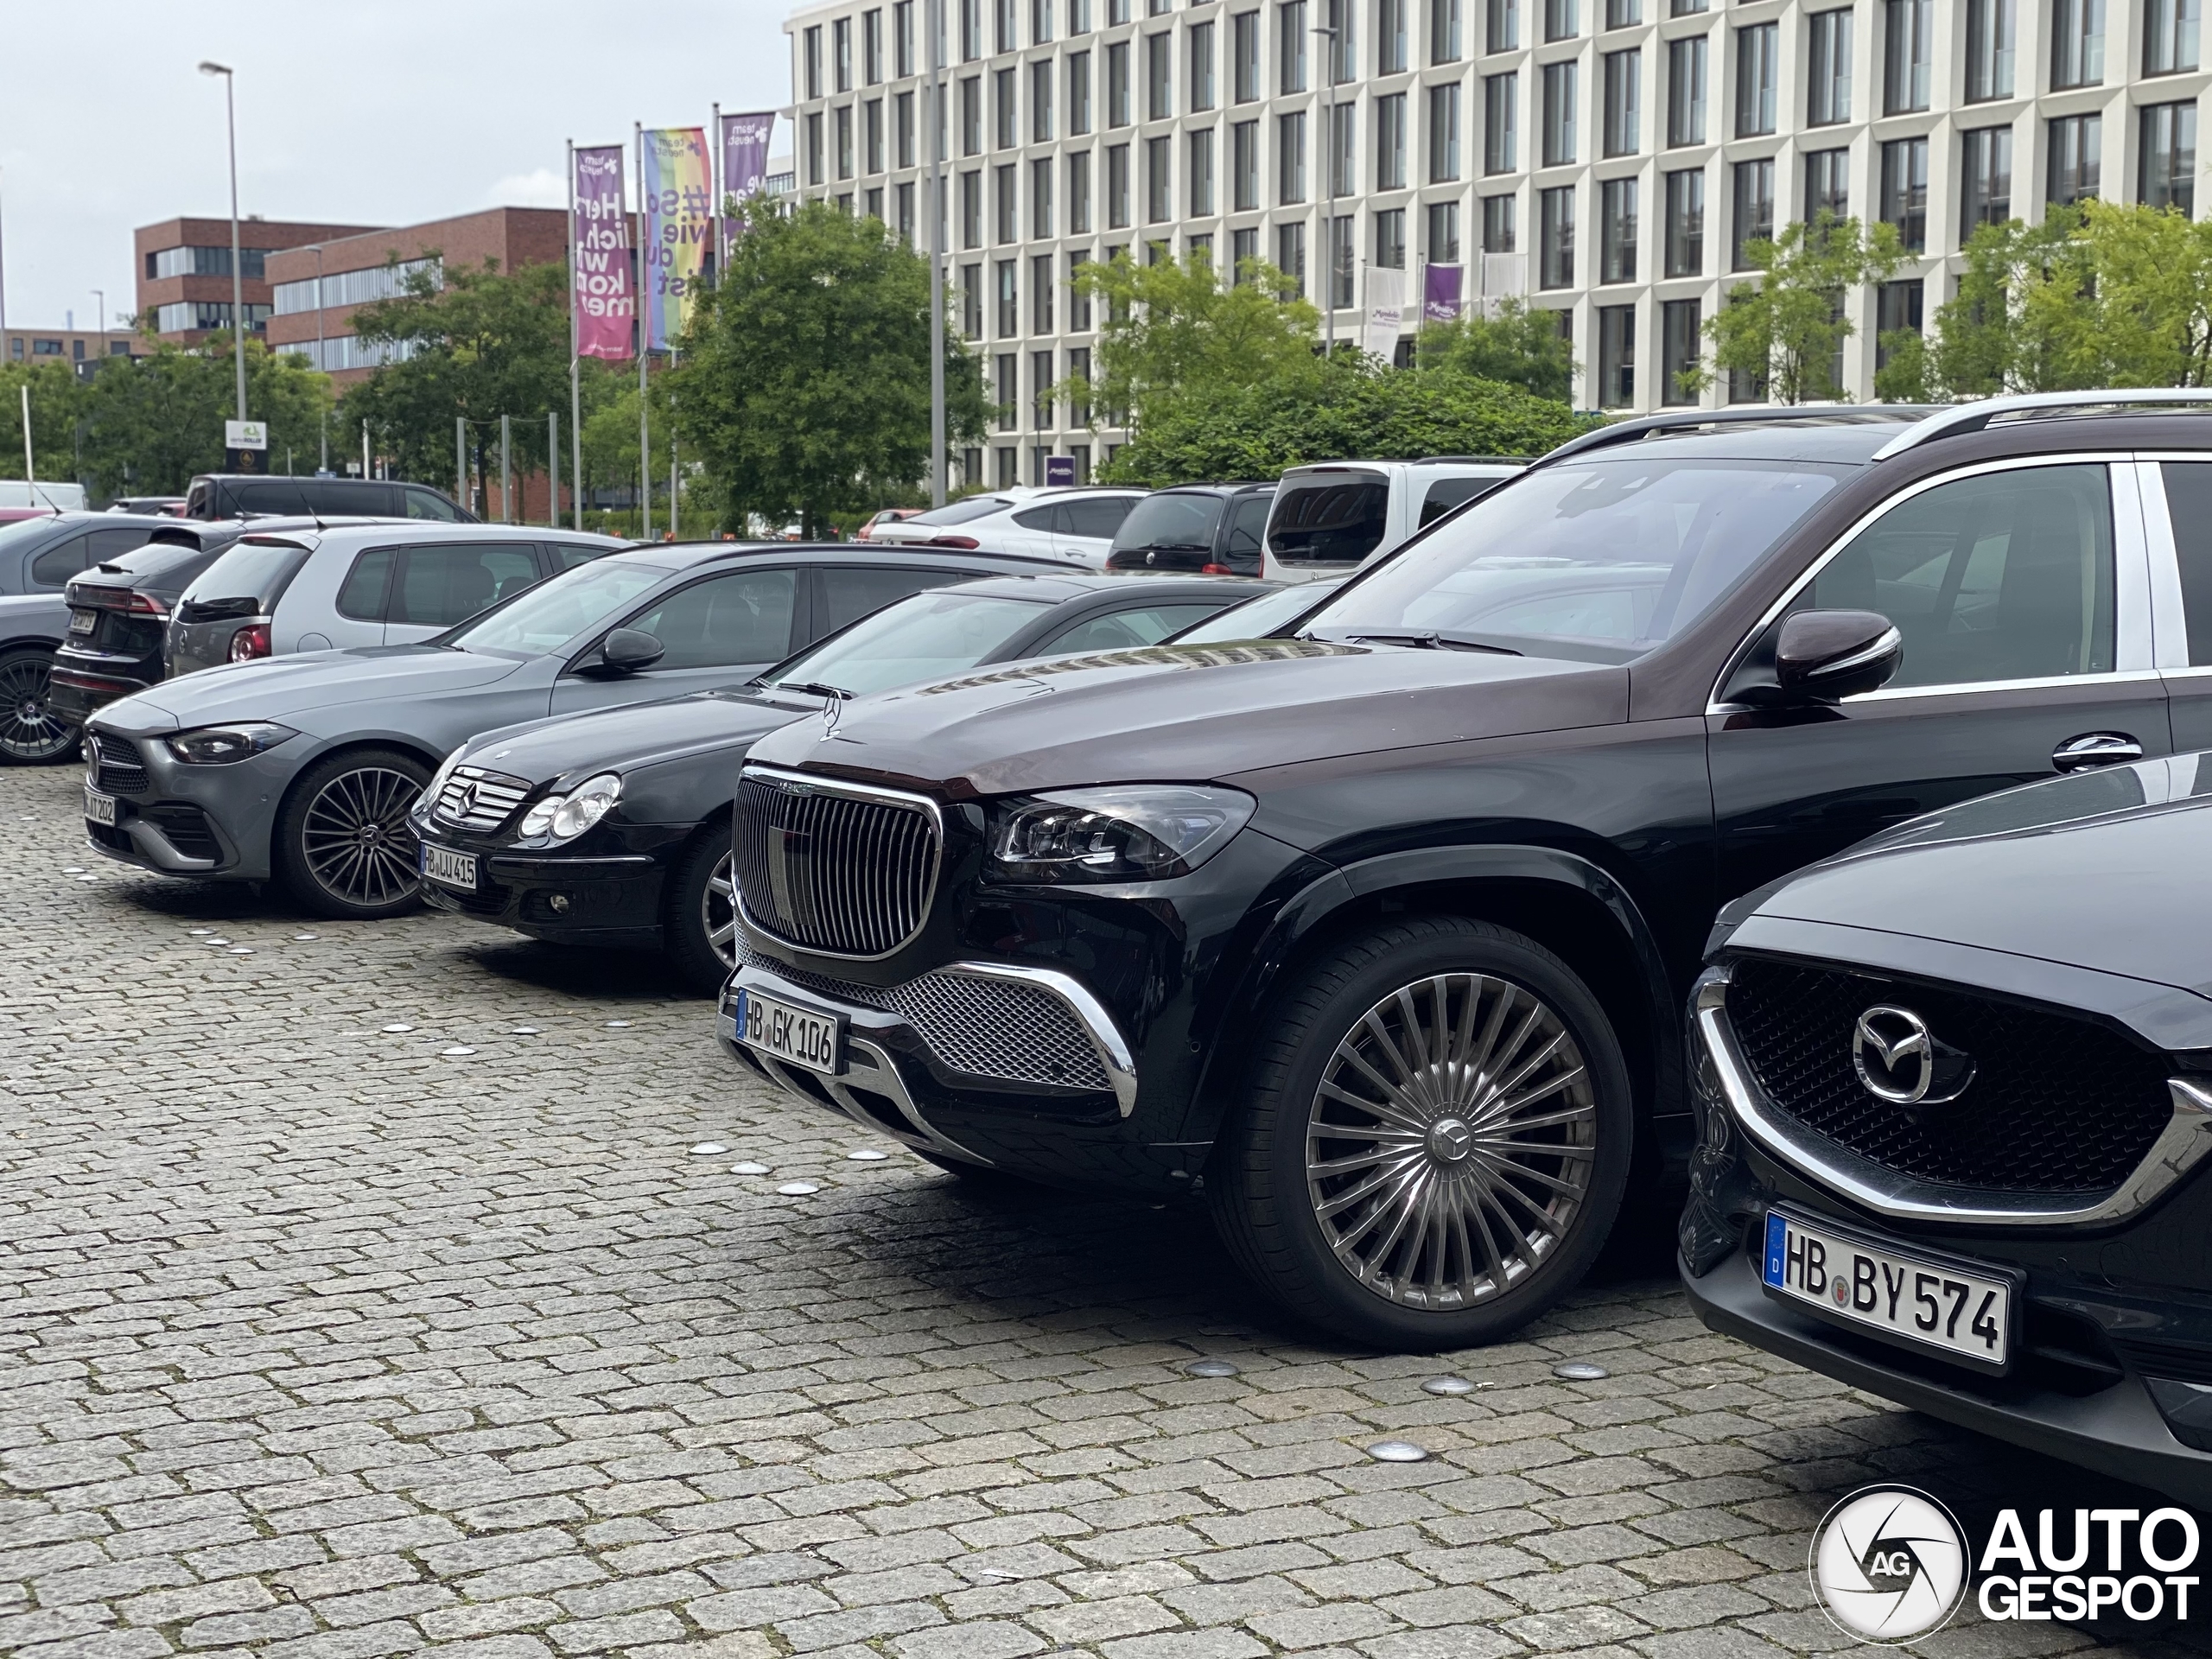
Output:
x=1479 y=461
x=1690 y=420
x=1972 y=417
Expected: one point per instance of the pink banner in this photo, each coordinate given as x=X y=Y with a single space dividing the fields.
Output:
x=1441 y=292
x=604 y=296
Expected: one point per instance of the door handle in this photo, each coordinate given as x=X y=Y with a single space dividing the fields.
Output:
x=2096 y=749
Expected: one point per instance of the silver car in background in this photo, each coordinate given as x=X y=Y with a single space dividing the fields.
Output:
x=360 y=583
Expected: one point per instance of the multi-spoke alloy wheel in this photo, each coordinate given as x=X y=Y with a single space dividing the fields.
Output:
x=357 y=840
x=1450 y=1143
x=343 y=845
x=718 y=910
x=30 y=731
x=1434 y=1137
x=699 y=911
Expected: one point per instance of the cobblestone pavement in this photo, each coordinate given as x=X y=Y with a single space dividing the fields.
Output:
x=372 y=1289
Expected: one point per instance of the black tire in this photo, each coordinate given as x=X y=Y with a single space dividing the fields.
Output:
x=344 y=848
x=1364 y=1271
x=698 y=921
x=30 y=732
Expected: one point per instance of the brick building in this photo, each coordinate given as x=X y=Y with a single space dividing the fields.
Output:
x=82 y=347
x=183 y=269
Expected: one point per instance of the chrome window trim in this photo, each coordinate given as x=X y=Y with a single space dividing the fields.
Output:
x=2169 y=612
x=819 y=785
x=1098 y=1025
x=2181 y=1145
x=2128 y=558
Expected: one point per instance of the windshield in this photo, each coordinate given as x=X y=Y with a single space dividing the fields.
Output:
x=959 y=513
x=254 y=570
x=919 y=637
x=1329 y=518
x=1256 y=618
x=1170 y=521
x=548 y=616
x=1597 y=561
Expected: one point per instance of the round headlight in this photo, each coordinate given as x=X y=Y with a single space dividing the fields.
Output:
x=585 y=805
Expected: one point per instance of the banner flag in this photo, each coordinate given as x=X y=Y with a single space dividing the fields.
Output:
x=606 y=304
x=1386 y=311
x=1440 y=302
x=679 y=228
x=745 y=154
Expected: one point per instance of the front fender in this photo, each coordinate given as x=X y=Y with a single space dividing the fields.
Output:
x=1361 y=886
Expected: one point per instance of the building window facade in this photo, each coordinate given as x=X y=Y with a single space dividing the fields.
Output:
x=1686 y=223
x=1680 y=349
x=1559 y=114
x=1904 y=191
x=1555 y=238
x=1616 y=356
x=1501 y=122
x=1992 y=28
x=1986 y=179
x=1827 y=185
x=2077 y=147
x=1752 y=211
x=2169 y=156
x=2170 y=31
x=2077 y=43
x=1908 y=52
x=1685 y=62
x=1617 y=231
x=1623 y=74
x=1758 y=67
x=1827 y=101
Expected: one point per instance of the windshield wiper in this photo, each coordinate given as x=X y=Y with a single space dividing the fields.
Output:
x=1433 y=641
x=813 y=689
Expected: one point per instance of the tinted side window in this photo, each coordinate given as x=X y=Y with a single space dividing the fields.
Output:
x=339 y=495
x=1447 y=493
x=53 y=568
x=1329 y=521
x=567 y=556
x=850 y=592
x=1247 y=524
x=1120 y=630
x=361 y=596
x=442 y=584
x=268 y=495
x=2189 y=500
x=425 y=504
x=111 y=543
x=2006 y=576
x=744 y=617
x=1099 y=515
x=1035 y=518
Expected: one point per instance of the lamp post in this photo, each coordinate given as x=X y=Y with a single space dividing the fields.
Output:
x=100 y=317
x=321 y=367
x=1328 y=178
x=933 y=205
x=237 y=273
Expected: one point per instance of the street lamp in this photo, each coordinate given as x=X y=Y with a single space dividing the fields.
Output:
x=100 y=316
x=1329 y=174
x=237 y=273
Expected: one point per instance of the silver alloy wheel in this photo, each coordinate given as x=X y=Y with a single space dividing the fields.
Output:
x=359 y=845
x=28 y=727
x=1452 y=1141
x=718 y=910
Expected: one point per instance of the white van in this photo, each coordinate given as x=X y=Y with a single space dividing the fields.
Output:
x=42 y=496
x=1330 y=518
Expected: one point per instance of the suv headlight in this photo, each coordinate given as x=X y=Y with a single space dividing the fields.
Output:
x=564 y=817
x=219 y=746
x=1128 y=832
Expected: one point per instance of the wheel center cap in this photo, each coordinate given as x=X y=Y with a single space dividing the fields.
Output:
x=1450 y=1141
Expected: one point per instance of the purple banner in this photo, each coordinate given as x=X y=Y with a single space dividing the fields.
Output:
x=1441 y=291
x=745 y=156
x=606 y=302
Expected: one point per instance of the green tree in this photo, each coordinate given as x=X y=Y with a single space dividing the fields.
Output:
x=149 y=423
x=1787 y=328
x=1520 y=346
x=2024 y=318
x=480 y=343
x=2152 y=269
x=803 y=386
x=1163 y=328
x=57 y=402
x=1329 y=409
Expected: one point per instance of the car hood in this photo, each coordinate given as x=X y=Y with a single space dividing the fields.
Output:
x=1189 y=713
x=2101 y=870
x=571 y=747
x=285 y=689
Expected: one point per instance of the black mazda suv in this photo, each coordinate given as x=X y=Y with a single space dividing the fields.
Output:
x=1955 y=1090
x=1379 y=932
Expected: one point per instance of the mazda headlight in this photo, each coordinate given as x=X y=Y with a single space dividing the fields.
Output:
x=218 y=746
x=1128 y=832
x=564 y=817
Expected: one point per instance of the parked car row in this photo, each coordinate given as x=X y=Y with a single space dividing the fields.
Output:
x=1369 y=912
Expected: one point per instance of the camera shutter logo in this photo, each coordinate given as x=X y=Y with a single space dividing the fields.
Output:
x=1889 y=1564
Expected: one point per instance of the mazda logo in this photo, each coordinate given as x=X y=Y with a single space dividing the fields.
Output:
x=1899 y=1061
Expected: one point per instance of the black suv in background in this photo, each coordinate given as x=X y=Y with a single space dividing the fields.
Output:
x=1383 y=930
x=1956 y=1096
x=233 y=495
x=1216 y=529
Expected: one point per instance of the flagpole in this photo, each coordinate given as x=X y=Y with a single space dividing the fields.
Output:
x=575 y=369
x=933 y=22
x=718 y=176
x=645 y=353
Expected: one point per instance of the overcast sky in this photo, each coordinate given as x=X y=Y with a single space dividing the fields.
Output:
x=374 y=112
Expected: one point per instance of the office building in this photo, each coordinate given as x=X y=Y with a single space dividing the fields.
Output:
x=184 y=272
x=84 y=349
x=314 y=287
x=1606 y=159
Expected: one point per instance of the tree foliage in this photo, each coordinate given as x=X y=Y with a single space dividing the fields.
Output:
x=1787 y=327
x=803 y=386
x=144 y=425
x=1520 y=345
x=2099 y=295
x=481 y=343
x=1327 y=409
x=1163 y=328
